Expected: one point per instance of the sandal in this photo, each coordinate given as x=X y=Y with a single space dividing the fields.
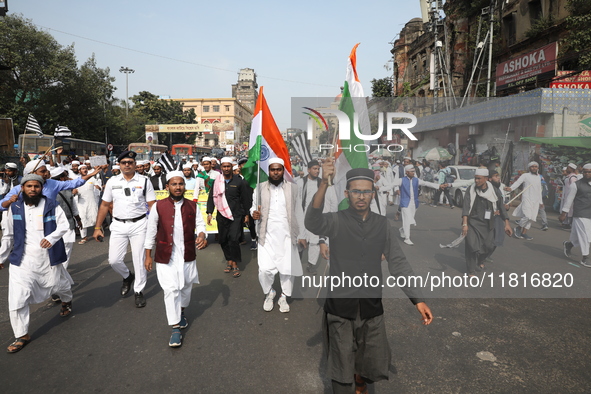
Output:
x=236 y=272
x=228 y=269
x=360 y=386
x=82 y=241
x=18 y=345
x=66 y=309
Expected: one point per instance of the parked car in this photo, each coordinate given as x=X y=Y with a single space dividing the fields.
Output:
x=465 y=173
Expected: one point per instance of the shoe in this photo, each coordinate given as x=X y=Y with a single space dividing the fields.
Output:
x=176 y=338
x=283 y=305
x=526 y=237
x=183 y=323
x=127 y=282
x=408 y=242
x=253 y=245
x=140 y=301
x=268 y=304
x=451 y=206
x=516 y=222
x=311 y=268
x=55 y=298
x=433 y=205
x=517 y=233
x=545 y=227
x=567 y=246
x=402 y=233
x=585 y=262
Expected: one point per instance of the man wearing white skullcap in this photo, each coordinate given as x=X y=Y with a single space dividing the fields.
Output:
x=116 y=170
x=205 y=178
x=175 y=255
x=232 y=199
x=572 y=175
x=74 y=171
x=10 y=179
x=579 y=198
x=481 y=201
x=409 y=199
x=190 y=180
x=281 y=230
x=531 y=200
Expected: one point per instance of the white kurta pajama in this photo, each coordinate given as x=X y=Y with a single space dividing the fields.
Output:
x=87 y=206
x=35 y=280
x=385 y=186
x=580 y=233
x=408 y=213
x=530 y=199
x=177 y=277
x=276 y=251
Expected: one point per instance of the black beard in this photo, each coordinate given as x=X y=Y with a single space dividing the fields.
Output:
x=177 y=198
x=32 y=200
x=277 y=182
x=495 y=184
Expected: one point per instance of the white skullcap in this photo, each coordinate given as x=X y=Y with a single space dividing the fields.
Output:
x=532 y=163
x=563 y=168
x=572 y=165
x=481 y=172
x=206 y=158
x=173 y=174
x=83 y=165
x=116 y=167
x=235 y=167
x=11 y=165
x=187 y=165
x=587 y=166
x=214 y=159
x=406 y=158
x=276 y=160
x=75 y=162
x=191 y=157
x=409 y=167
x=86 y=161
x=157 y=165
x=226 y=160
x=56 y=171
x=33 y=164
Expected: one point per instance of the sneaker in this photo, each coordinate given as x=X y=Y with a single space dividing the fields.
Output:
x=283 y=305
x=311 y=268
x=402 y=233
x=526 y=237
x=567 y=246
x=545 y=227
x=408 y=242
x=183 y=323
x=175 y=338
x=268 y=304
x=517 y=233
x=253 y=245
x=585 y=262
x=433 y=205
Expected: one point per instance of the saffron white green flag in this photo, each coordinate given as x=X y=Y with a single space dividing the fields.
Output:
x=265 y=143
x=354 y=105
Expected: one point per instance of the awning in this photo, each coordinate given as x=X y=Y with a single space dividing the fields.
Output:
x=577 y=142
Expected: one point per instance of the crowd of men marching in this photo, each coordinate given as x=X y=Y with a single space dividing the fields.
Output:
x=45 y=208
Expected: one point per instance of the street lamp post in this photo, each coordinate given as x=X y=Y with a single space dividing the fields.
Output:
x=126 y=71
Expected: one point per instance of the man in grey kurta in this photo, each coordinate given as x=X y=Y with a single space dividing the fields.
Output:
x=482 y=202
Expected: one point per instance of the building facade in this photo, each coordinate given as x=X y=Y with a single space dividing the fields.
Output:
x=245 y=90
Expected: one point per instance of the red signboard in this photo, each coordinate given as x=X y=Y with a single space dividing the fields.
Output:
x=580 y=80
x=528 y=67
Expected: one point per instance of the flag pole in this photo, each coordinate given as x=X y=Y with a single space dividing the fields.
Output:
x=332 y=153
x=24 y=134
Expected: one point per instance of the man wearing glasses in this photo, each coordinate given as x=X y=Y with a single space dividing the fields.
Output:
x=579 y=197
x=353 y=322
x=129 y=192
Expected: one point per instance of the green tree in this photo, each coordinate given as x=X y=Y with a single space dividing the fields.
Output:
x=381 y=87
x=578 y=38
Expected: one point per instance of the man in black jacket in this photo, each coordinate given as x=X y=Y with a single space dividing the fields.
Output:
x=158 y=179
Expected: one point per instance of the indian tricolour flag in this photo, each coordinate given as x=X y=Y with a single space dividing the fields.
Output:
x=265 y=143
x=352 y=103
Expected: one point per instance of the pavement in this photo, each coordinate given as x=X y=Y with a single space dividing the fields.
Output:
x=474 y=345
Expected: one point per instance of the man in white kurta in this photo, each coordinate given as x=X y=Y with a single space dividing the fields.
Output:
x=32 y=278
x=409 y=198
x=579 y=202
x=307 y=187
x=384 y=185
x=87 y=205
x=571 y=177
x=176 y=276
x=282 y=222
x=531 y=200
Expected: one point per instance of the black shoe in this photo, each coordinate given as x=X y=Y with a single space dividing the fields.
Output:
x=140 y=301
x=55 y=298
x=127 y=282
x=567 y=246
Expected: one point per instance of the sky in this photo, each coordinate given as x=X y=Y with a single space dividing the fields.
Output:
x=194 y=49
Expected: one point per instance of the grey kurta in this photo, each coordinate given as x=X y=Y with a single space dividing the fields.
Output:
x=480 y=240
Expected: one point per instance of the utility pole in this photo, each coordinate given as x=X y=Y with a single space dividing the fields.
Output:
x=491 y=16
x=126 y=71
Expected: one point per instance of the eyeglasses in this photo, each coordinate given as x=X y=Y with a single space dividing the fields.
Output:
x=358 y=193
x=126 y=163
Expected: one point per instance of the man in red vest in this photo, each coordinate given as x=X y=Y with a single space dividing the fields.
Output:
x=172 y=225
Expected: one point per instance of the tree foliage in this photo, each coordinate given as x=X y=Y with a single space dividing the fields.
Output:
x=381 y=87
x=578 y=38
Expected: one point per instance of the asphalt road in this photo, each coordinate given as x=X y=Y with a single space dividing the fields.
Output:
x=475 y=345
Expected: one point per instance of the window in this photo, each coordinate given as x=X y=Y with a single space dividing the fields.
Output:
x=227 y=107
x=509 y=28
x=535 y=11
x=216 y=108
x=206 y=108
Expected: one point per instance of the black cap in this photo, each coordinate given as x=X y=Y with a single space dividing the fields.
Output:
x=313 y=163
x=242 y=161
x=360 y=173
x=128 y=154
x=491 y=173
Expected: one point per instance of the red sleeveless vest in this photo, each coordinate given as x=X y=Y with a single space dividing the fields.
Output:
x=164 y=238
